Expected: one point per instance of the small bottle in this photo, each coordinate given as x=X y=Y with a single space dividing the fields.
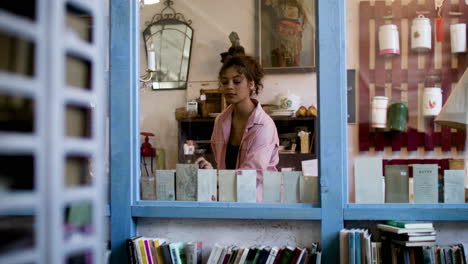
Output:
x=189 y=151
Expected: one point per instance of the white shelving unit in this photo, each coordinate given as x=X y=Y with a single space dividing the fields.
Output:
x=48 y=144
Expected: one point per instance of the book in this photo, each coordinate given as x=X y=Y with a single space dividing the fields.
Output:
x=396 y=184
x=245 y=253
x=415 y=244
x=257 y=255
x=272 y=186
x=308 y=189
x=186 y=182
x=357 y=246
x=278 y=255
x=398 y=230
x=148 y=188
x=297 y=252
x=454 y=186
x=148 y=252
x=180 y=250
x=352 y=247
x=223 y=254
x=236 y=255
x=304 y=258
x=425 y=183
x=141 y=251
x=406 y=224
x=193 y=252
x=344 y=246
x=132 y=254
x=154 y=253
x=157 y=244
x=246 y=186
x=215 y=254
x=166 y=253
x=464 y=252
x=376 y=252
x=291 y=186
x=263 y=256
x=206 y=185
x=272 y=255
x=165 y=185
x=368 y=180
x=318 y=258
x=412 y=237
x=227 y=186
x=286 y=255
x=251 y=255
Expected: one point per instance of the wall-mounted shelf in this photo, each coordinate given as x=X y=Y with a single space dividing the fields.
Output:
x=165 y=209
x=432 y=212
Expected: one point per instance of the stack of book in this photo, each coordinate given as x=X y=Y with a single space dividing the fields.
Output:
x=356 y=247
x=409 y=234
x=146 y=250
x=451 y=254
x=264 y=255
x=407 y=242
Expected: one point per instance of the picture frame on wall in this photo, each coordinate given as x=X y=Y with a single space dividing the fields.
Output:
x=285 y=35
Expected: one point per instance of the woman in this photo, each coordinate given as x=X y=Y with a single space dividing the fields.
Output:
x=244 y=136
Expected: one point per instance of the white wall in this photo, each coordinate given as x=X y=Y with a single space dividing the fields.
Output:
x=212 y=22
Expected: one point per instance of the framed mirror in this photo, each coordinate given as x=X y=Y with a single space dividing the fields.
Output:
x=168 y=41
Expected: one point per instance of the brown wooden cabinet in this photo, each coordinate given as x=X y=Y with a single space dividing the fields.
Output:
x=200 y=130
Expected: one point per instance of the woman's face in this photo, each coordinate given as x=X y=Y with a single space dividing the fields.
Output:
x=235 y=86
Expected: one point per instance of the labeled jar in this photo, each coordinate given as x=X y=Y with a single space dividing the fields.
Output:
x=389 y=41
x=432 y=101
x=458 y=37
x=397 y=115
x=421 y=34
x=379 y=111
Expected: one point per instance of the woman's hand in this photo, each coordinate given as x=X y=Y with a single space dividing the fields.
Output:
x=203 y=163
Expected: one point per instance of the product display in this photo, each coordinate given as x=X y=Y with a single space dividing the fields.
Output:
x=389 y=41
x=421 y=34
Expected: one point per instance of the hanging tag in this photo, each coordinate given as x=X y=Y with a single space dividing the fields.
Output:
x=440 y=29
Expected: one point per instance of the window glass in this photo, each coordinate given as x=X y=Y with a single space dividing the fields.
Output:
x=277 y=134
x=407 y=104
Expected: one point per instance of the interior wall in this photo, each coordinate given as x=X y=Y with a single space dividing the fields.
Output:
x=212 y=22
x=352 y=48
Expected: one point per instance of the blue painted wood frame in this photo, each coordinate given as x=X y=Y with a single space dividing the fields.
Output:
x=331 y=81
x=222 y=210
x=124 y=122
x=433 y=212
x=125 y=126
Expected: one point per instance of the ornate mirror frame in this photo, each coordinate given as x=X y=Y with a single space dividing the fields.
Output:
x=168 y=20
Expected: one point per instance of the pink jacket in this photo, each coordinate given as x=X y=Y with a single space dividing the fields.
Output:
x=259 y=145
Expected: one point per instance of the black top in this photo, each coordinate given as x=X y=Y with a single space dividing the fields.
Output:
x=231 y=156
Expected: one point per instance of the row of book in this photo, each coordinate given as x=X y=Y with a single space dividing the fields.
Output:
x=189 y=183
x=264 y=255
x=425 y=185
x=146 y=250
x=401 y=243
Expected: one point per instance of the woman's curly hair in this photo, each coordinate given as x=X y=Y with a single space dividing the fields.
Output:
x=246 y=65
